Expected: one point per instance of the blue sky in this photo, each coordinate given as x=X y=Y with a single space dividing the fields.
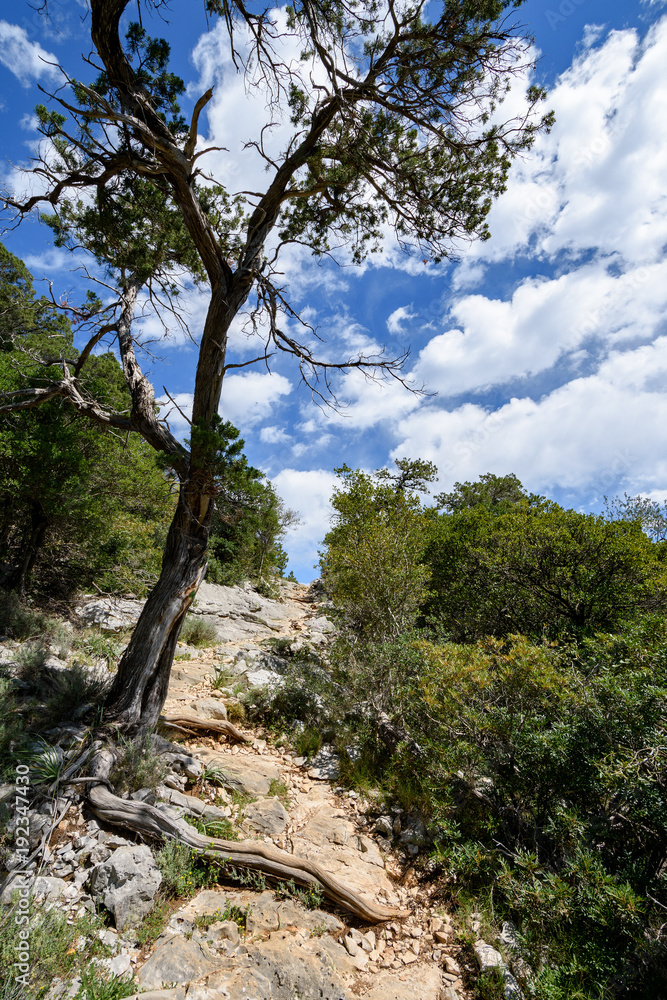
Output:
x=544 y=350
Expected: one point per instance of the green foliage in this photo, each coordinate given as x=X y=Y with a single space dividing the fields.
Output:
x=372 y=564
x=77 y=503
x=249 y=517
x=153 y=923
x=545 y=775
x=230 y=911
x=45 y=761
x=97 y=986
x=198 y=632
x=503 y=561
x=18 y=619
x=137 y=765
x=310 y=896
x=182 y=871
x=58 y=949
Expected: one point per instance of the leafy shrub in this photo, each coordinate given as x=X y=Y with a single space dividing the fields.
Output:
x=31 y=658
x=57 y=950
x=198 y=632
x=95 y=645
x=547 y=780
x=181 y=868
x=18 y=619
x=70 y=689
x=137 y=766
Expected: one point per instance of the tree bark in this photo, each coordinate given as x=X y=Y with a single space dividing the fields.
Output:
x=38 y=525
x=140 y=686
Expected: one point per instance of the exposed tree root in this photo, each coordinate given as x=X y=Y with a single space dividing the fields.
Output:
x=147 y=820
x=189 y=723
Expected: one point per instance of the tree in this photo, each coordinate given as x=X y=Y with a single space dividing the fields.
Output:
x=249 y=518
x=507 y=562
x=400 y=132
x=651 y=515
x=373 y=562
x=66 y=483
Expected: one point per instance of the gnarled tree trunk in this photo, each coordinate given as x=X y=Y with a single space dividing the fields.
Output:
x=140 y=686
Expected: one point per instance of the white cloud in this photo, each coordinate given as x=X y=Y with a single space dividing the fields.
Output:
x=309 y=493
x=274 y=435
x=246 y=400
x=499 y=340
x=249 y=398
x=396 y=321
x=27 y=60
x=598 y=181
x=597 y=434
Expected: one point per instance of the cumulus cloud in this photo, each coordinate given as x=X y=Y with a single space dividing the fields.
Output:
x=27 y=60
x=596 y=434
x=498 y=340
x=397 y=320
x=307 y=492
x=249 y=398
x=598 y=180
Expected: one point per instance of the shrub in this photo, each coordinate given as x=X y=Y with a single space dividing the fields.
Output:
x=18 y=619
x=547 y=781
x=198 y=632
x=182 y=871
x=137 y=766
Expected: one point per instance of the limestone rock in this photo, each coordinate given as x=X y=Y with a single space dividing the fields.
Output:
x=252 y=774
x=210 y=708
x=295 y=972
x=176 y=961
x=268 y=816
x=127 y=883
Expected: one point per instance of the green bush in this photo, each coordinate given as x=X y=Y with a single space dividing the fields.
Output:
x=19 y=620
x=546 y=776
x=198 y=632
x=137 y=765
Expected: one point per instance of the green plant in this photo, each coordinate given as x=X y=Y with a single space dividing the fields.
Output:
x=18 y=619
x=70 y=689
x=182 y=871
x=97 y=986
x=236 y=711
x=62 y=638
x=198 y=632
x=310 y=896
x=137 y=765
x=490 y=986
x=183 y=656
x=308 y=742
x=45 y=761
x=222 y=677
x=214 y=774
x=280 y=791
x=153 y=923
x=57 y=949
x=222 y=828
x=31 y=658
x=230 y=911
x=95 y=645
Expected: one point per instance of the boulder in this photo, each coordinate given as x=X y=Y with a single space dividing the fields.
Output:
x=267 y=816
x=127 y=883
x=210 y=708
x=176 y=961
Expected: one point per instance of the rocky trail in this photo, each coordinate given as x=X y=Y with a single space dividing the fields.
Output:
x=255 y=940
